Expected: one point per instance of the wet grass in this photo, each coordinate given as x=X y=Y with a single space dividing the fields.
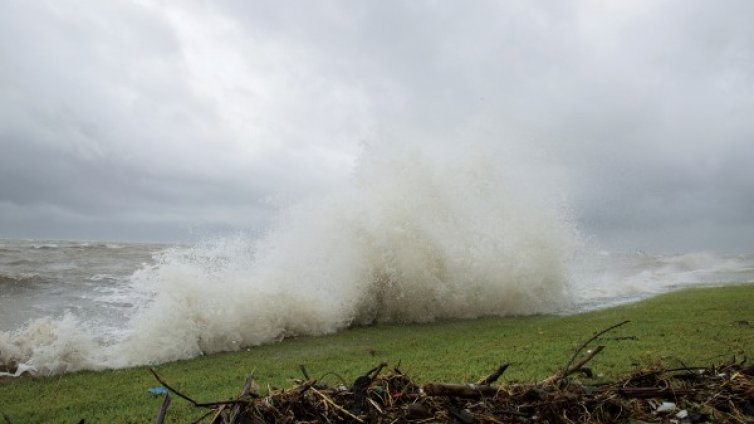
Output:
x=692 y=327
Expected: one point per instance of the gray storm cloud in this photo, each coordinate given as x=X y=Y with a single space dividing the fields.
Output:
x=144 y=120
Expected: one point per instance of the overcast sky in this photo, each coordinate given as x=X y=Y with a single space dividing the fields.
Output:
x=151 y=120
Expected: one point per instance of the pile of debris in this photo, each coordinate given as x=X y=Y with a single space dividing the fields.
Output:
x=718 y=394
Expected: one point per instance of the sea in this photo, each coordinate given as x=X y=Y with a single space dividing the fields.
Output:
x=409 y=238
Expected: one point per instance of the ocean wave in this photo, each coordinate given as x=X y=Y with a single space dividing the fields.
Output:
x=410 y=238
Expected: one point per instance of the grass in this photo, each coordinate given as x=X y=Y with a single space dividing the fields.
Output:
x=693 y=327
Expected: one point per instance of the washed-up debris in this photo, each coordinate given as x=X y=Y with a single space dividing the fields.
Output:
x=715 y=394
x=159 y=390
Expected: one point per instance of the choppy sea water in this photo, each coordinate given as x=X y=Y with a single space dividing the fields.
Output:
x=93 y=280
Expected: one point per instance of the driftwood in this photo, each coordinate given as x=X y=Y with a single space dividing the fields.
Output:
x=688 y=395
x=162 y=413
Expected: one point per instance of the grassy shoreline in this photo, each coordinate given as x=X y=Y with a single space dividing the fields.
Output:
x=693 y=326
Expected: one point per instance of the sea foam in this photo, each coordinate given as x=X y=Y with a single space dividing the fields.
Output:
x=408 y=238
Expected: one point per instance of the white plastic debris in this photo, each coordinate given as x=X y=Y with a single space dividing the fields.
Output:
x=666 y=407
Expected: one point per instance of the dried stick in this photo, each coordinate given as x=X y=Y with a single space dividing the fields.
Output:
x=494 y=376
x=195 y=403
x=377 y=407
x=200 y=419
x=247 y=388
x=167 y=386
x=376 y=370
x=218 y=417
x=163 y=410
x=246 y=392
x=591 y=339
x=569 y=368
x=583 y=362
x=302 y=388
x=304 y=372
x=573 y=368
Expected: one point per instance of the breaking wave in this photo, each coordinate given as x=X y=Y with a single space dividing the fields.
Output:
x=408 y=239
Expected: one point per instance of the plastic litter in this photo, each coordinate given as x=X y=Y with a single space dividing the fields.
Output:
x=666 y=407
x=159 y=390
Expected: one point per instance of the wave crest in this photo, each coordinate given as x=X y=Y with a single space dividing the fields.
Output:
x=408 y=239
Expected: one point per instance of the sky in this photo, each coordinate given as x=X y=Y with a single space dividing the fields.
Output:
x=159 y=121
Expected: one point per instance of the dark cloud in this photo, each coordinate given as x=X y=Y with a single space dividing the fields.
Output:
x=123 y=115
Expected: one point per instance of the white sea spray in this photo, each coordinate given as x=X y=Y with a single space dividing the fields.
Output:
x=409 y=238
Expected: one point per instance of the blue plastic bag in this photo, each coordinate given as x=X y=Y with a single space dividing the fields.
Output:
x=159 y=390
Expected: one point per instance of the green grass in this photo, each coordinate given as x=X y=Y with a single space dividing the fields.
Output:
x=693 y=327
